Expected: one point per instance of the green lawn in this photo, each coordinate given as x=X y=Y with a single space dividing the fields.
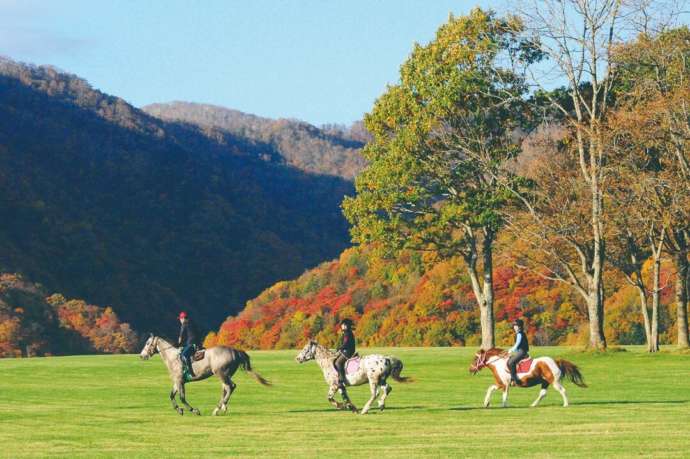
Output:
x=116 y=406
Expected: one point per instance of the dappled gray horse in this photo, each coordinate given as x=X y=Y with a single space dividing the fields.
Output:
x=219 y=360
x=374 y=369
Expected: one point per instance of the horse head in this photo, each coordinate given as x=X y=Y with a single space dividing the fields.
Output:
x=481 y=359
x=308 y=352
x=479 y=362
x=150 y=348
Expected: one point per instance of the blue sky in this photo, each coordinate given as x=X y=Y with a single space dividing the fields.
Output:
x=319 y=61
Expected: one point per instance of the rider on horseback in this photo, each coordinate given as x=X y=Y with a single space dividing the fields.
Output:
x=188 y=340
x=346 y=349
x=518 y=351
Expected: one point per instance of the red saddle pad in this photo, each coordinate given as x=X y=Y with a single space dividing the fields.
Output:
x=524 y=365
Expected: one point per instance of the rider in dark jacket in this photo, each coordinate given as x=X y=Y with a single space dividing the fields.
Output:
x=519 y=350
x=346 y=349
x=188 y=340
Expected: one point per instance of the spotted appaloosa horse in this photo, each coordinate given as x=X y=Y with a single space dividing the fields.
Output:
x=544 y=370
x=374 y=369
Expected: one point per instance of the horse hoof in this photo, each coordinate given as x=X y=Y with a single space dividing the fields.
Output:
x=180 y=411
x=196 y=411
x=215 y=412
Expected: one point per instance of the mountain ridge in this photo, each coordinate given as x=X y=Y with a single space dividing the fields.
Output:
x=323 y=151
x=104 y=202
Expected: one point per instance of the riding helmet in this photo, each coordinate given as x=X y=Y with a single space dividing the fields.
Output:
x=347 y=322
x=519 y=323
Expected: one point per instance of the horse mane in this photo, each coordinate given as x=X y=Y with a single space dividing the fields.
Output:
x=494 y=351
x=322 y=348
x=166 y=340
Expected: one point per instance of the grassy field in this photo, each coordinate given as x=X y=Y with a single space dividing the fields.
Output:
x=115 y=406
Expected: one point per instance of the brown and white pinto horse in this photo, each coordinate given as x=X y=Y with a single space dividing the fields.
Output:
x=544 y=371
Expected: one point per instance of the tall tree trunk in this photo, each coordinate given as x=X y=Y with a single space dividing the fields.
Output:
x=653 y=345
x=595 y=309
x=595 y=301
x=645 y=314
x=487 y=311
x=484 y=289
x=681 y=261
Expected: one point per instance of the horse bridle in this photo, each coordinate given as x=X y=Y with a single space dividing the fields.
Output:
x=156 y=343
x=480 y=362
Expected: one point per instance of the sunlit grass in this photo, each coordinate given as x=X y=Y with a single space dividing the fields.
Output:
x=637 y=405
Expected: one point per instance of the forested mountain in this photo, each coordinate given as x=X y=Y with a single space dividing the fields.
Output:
x=332 y=150
x=102 y=201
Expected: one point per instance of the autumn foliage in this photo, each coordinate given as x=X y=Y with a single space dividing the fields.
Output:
x=417 y=300
x=32 y=324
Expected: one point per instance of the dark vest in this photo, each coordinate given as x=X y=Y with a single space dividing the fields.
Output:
x=524 y=345
x=347 y=343
x=188 y=334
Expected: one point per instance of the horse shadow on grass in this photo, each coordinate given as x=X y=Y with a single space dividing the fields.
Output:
x=582 y=403
x=480 y=407
x=373 y=410
x=629 y=402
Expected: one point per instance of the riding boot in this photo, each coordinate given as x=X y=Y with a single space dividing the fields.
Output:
x=514 y=378
x=188 y=361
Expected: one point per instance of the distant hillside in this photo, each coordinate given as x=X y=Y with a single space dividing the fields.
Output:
x=333 y=150
x=32 y=323
x=101 y=201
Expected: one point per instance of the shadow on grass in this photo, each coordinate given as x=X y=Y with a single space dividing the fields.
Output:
x=469 y=408
x=630 y=402
x=373 y=409
x=585 y=403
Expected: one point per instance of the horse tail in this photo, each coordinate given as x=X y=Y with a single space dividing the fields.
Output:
x=396 y=369
x=246 y=364
x=571 y=371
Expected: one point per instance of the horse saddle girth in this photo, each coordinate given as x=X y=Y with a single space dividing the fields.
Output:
x=199 y=355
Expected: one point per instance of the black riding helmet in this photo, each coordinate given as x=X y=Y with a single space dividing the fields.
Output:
x=348 y=323
x=519 y=323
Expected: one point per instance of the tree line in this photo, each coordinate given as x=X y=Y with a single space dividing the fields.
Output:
x=606 y=184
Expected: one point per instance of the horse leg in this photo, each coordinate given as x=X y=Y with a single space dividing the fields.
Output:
x=505 y=396
x=173 y=392
x=183 y=399
x=346 y=399
x=386 y=390
x=223 y=390
x=331 y=397
x=228 y=393
x=487 y=399
x=542 y=393
x=374 y=387
x=559 y=387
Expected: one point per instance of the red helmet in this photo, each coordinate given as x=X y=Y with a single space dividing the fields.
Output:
x=183 y=315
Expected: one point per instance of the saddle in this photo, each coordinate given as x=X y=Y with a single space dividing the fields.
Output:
x=524 y=365
x=352 y=364
x=198 y=355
